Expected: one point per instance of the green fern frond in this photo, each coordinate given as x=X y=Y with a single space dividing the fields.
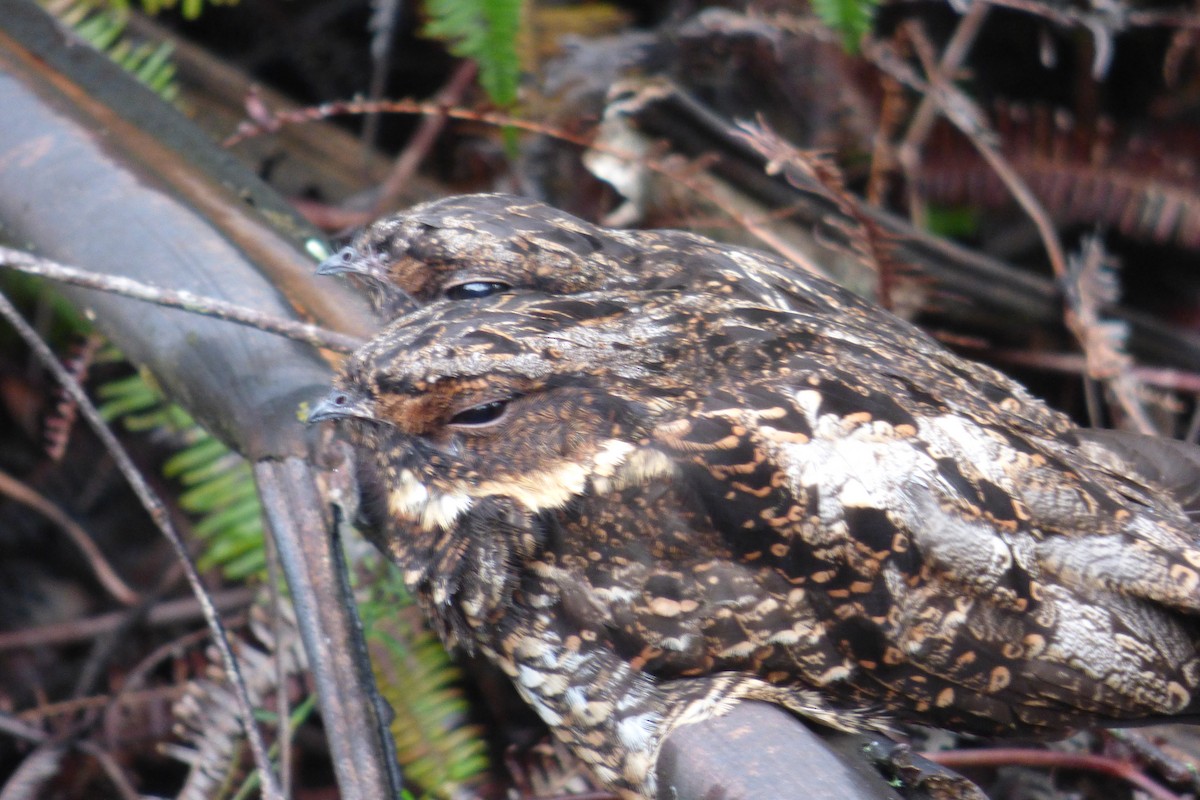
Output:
x=220 y=490
x=207 y=724
x=486 y=32
x=189 y=9
x=439 y=751
x=851 y=18
x=103 y=27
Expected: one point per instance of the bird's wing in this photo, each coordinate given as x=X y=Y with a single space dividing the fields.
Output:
x=1168 y=465
x=998 y=566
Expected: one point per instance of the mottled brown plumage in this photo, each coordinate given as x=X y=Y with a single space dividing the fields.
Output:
x=647 y=502
x=475 y=245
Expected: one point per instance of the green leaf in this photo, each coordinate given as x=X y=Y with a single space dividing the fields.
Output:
x=434 y=742
x=484 y=31
x=253 y=563
x=213 y=493
x=237 y=514
x=851 y=18
x=102 y=25
x=203 y=452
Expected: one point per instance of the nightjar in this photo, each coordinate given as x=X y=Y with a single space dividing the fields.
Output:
x=474 y=245
x=648 y=502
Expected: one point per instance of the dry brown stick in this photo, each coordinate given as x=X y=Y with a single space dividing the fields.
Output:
x=1176 y=768
x=331 y=218
x=965 y=115
x=129 y=693
x=22 y=730
x=422 y=140
x=1090 y=285
x=104 y=572
x=176 y=298
x=102 y=702
x=264 y=122
x=909 y=151
x=162 y=518
x=704 y=187
x=171 y=612
x=137 y=676
x=1028 y=757
x=951 y=61
x=1075 y=364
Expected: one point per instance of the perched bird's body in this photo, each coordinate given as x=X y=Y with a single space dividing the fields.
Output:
x=645 y=504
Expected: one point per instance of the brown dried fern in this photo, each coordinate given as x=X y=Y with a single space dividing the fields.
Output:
x=206 y=716
x=1147 y=188
x=810 y=170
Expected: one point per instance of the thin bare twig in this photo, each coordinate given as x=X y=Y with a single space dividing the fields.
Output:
x=116 y=775
x=1174 y=380
x=36 y=770
x=812 y=170
x=158 y=512
x=283 y=736
x=101 y=703
x=706 y=188
x=137 y=676
x=171 y=612
x=1106 y=359
x=1090 y=285
x=268 y=121
x=105 y=574
x=908 y=153
x=264 y=122
x=1028 y=757
x=105 y=647
x=1147 y=750
x=177 y=298
x=50 y=752
x=965 y=115
x=423 y=139
x=950 y=63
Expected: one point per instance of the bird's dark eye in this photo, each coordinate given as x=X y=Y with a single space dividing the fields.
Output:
x=474 y=289
x=482 y=414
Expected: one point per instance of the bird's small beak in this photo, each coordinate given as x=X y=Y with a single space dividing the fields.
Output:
x=340 y=404
x=344 y=260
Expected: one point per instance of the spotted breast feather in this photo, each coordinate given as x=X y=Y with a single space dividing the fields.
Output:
x=647 y=504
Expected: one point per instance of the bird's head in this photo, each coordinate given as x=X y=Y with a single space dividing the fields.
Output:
x=472 y=246
x=523 y=396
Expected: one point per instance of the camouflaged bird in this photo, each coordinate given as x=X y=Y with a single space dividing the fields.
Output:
x=471 y=246
x=646 y=504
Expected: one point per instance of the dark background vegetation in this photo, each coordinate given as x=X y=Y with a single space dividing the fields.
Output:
x=1092 y=107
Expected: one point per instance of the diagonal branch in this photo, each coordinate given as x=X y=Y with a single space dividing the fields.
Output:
x=158 y=512
x=104 y=572
x=178 y=298
x=965 y=115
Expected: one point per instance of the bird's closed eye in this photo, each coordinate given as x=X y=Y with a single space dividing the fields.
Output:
x=469 y=290
x=481 y=415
